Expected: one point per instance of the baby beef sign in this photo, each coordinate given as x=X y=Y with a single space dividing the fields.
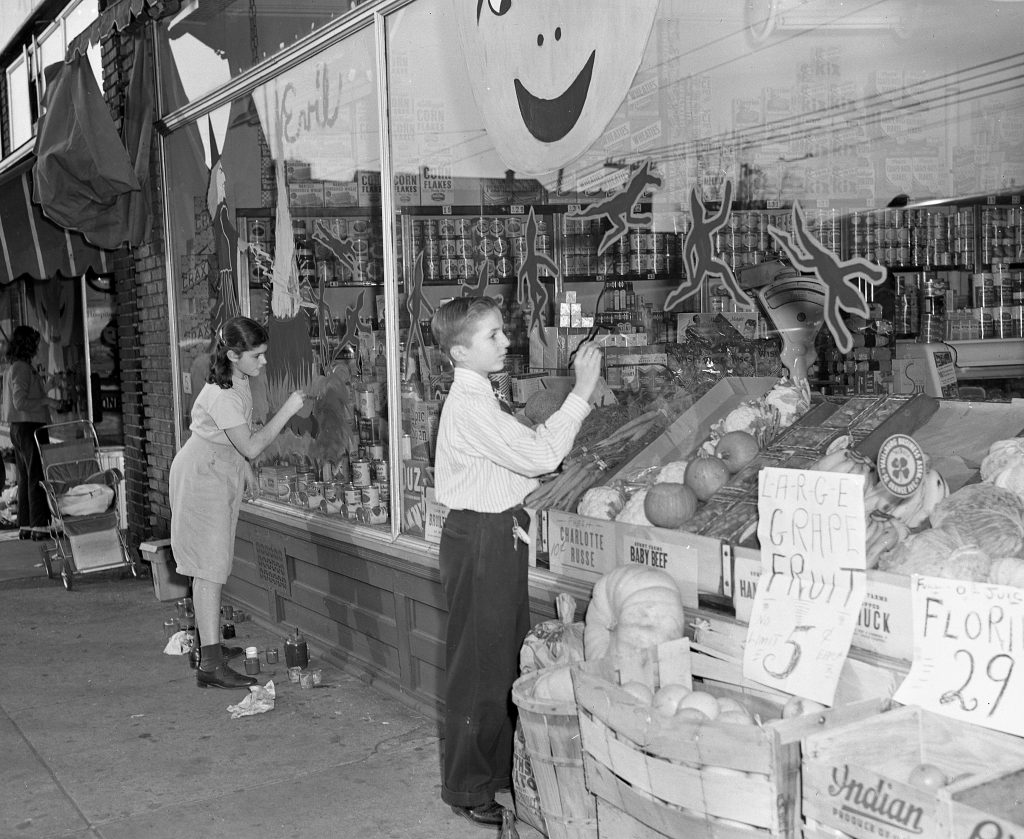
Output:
x=548 y=76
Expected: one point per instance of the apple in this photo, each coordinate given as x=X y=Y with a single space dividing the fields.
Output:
x=667 y=698
x=927 y=776
x=703 y=702
x=797 y=706
x=736 y=449
x=728 y=703
x=705 y=476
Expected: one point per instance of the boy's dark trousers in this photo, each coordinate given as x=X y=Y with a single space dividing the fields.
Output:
x=484 y=574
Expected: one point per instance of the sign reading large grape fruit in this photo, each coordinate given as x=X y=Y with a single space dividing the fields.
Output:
x=811 y=528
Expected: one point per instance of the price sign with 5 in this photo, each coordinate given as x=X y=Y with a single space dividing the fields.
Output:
x=968 y=651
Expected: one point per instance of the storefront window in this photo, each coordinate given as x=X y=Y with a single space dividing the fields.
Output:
x=662 y=154
x=276 y=214
x=212 y=42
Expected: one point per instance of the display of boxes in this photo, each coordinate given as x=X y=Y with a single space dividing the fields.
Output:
x=855 y=777
x=276 y=482
x=340 y=193
x=693 y=779
x=306 y=194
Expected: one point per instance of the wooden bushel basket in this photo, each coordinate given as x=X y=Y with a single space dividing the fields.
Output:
x=667 y=777
x=552 y=732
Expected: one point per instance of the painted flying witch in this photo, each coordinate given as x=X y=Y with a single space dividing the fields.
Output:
x=839 y=277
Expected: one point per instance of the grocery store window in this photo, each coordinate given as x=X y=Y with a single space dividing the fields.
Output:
x=666 y=151
x=276 y=214
x=212 y=41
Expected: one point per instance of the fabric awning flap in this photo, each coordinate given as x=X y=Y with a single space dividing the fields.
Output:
x=33 y=246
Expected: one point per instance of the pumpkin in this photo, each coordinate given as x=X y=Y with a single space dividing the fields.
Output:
x=669 y=505
x=632 y=607
x=1007 y=571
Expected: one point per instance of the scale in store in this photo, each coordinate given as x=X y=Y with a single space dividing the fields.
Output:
x=794 y=305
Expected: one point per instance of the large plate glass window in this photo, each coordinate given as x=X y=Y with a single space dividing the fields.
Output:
x=662 y=147
x=276 y=214
x=213 y=41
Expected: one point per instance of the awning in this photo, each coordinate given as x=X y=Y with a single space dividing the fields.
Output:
x=33 y=246
x=118 y=16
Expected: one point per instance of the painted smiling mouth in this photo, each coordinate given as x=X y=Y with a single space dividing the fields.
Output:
x=549 y=120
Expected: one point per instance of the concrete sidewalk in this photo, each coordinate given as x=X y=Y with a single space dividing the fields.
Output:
x=106 y=737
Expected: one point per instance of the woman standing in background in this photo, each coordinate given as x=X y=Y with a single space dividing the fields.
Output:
x=27 y=409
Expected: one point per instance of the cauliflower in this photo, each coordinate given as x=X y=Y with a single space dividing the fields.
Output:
x=1002 y=455
x=748 y=416
x=790 y=399
x=601 y=503
x=672 y=473
x=633 y=512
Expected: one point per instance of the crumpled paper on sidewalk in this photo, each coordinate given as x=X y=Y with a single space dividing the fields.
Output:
x=259 y=701
x=178 y=644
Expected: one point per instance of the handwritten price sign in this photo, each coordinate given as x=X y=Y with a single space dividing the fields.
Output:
x=968 y=651
x=811 y=529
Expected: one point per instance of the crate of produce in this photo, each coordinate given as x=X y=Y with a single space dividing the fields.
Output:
x=733 y=774
x=551 y=727
x=885 y=776
x=989 y=806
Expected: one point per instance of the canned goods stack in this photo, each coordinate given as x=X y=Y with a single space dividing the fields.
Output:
x=906 y=307
x=933 y=310
x=305 y=262
x=260 y=234
x=1001 y=235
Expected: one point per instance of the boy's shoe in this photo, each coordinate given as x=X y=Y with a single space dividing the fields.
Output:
x=222 y=677
x=230 y=652
x=488 y=815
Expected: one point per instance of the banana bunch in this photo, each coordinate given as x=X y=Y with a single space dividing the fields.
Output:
x=914 y=510
x=844 y=460
x=884 y=532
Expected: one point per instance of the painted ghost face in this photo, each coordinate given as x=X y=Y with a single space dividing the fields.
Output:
x=548 y=75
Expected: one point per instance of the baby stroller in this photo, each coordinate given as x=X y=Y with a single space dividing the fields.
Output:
x=82 y=496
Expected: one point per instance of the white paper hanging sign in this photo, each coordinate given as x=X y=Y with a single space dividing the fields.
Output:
x=811 y=527
x=968 y=652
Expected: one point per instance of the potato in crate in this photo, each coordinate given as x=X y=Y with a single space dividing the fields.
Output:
x=885 y=776
x=684 y=756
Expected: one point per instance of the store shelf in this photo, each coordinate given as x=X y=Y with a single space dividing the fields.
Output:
x=989 y=358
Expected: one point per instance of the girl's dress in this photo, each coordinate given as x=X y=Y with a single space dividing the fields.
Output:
x=207 y=483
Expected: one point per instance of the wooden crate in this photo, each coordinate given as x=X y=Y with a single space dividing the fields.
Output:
x=552 y=735
x=855 y=776
x=989 y=806
x=692 y=779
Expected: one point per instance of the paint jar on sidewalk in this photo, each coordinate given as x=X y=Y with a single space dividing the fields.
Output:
x=252 y=661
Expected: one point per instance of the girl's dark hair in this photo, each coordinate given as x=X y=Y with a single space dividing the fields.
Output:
x=453 y=322
x=23 y=344
x=239 y=334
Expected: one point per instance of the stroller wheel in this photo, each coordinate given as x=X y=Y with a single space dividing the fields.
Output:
x=65 y=577
x=47 y=562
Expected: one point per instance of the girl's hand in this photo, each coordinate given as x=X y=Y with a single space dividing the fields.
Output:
x=295 y=402
x=252 y=489
x=587 y=367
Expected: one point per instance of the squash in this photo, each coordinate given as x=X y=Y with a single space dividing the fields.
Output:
x=1007 y=571
x=669 y=505
x=632 y=607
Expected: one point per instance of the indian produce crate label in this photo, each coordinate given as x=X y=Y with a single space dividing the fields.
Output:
x=811 y=529
x=968 y=657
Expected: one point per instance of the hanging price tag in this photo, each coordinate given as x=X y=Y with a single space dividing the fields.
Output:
x=968 y=652
x=811 y=528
